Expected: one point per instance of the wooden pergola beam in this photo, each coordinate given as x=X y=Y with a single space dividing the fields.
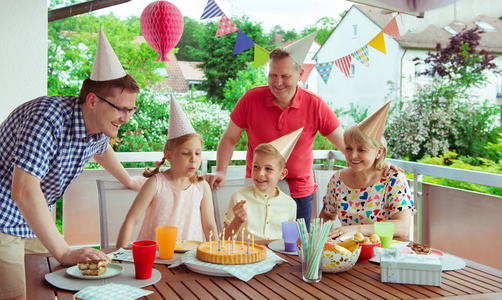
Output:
x=81 y=8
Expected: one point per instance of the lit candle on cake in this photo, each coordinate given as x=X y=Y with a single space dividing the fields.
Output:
x=233 y=241
x=252 y=240
x=210 y=245
x=248 y=243
x=219 y=242
x=242 y=244
x=228 y=247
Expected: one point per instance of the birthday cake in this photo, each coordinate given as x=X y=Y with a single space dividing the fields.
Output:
x=237 y=256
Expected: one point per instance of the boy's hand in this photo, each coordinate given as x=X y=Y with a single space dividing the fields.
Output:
x=240 y=211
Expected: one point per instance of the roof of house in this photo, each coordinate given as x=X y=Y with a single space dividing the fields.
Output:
x=433 y=35
x=190 y=70
x=175 y=80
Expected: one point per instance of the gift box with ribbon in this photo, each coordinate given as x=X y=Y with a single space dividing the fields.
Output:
x=396 y=267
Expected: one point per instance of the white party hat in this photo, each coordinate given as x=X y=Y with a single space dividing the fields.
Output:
x=374 y=125
x=286 y=143
x=178 y=122
x=299 y=49
x=106 y=64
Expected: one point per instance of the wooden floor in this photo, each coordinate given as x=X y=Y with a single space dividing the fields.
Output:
x=284 y=281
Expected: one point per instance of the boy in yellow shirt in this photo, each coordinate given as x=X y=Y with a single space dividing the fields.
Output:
x=261 y=208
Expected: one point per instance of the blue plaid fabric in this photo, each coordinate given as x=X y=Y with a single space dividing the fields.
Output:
x=45 y=137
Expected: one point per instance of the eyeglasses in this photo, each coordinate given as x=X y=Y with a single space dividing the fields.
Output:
x=120 y=111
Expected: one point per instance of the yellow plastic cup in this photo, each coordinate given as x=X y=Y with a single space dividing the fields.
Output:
x=166 y=238
x=385 y=230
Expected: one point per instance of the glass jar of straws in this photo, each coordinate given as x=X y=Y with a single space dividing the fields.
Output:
x=312 y=248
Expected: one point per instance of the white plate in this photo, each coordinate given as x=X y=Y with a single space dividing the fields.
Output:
x=111 y=270
x=207 y=270
x=278 y=245
x=185 y=245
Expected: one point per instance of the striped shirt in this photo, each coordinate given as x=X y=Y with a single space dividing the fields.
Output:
x=45 y=137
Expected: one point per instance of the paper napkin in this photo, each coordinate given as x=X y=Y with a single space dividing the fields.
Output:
x=112 y=291
x=243 y=272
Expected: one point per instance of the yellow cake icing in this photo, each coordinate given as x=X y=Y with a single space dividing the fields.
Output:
x=240 y=256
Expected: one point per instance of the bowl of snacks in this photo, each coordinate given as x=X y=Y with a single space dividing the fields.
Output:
x=367 y=245
x=340 y=256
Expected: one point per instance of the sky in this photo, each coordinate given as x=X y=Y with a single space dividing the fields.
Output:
x=290 y=14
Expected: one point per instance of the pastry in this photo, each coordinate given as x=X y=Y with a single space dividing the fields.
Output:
x=419 y=248
x=374 y=239
x=240 y=256
x=93 y=267
x=366 y=241
x=358 y=237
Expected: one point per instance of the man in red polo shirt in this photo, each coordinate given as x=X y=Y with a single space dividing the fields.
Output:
x=269 y=112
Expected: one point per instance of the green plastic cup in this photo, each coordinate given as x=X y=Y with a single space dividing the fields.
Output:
x=385 y=230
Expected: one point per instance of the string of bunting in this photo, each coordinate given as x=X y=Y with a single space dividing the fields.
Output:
x=243 y=42
x=226 y=26
x=361 y=54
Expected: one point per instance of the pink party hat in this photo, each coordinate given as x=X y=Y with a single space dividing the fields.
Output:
x=286 y=143
x=374 y=125
x=106 y=64
x=299 y=49
x=178 y=122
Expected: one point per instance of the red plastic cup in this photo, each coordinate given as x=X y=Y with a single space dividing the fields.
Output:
x=144 y=253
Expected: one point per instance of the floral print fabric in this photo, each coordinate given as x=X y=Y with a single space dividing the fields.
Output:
x=378 y=202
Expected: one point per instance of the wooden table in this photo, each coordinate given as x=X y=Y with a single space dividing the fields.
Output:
x=284 y=281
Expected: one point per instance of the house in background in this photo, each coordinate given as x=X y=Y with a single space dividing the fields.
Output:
x=369 y=86
x=179 y=76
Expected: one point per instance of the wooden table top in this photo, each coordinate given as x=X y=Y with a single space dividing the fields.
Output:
x=284 y=281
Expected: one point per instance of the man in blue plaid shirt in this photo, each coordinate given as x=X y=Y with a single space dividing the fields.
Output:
x=45 y=144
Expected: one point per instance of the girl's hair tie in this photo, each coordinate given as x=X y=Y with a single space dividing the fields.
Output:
x=157 y=164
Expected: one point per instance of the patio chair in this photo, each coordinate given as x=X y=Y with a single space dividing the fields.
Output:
x=322 y=177
x=233 y=172
x=114 y=202
x=221 y=197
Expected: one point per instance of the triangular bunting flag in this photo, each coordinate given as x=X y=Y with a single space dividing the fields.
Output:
x=362 y=55
x=242 y=42
x=324 y=70
x=212 y=10
x=226 y=26
x=344 y=64
x=307 y=68
x=378 y=42
x=392 y=29
x=260 y=56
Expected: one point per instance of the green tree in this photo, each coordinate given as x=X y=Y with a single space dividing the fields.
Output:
x=286 y=36
x=72 y=47
x=243 y=81
x=216 y=54
x=324 y=26
x=189 y=39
